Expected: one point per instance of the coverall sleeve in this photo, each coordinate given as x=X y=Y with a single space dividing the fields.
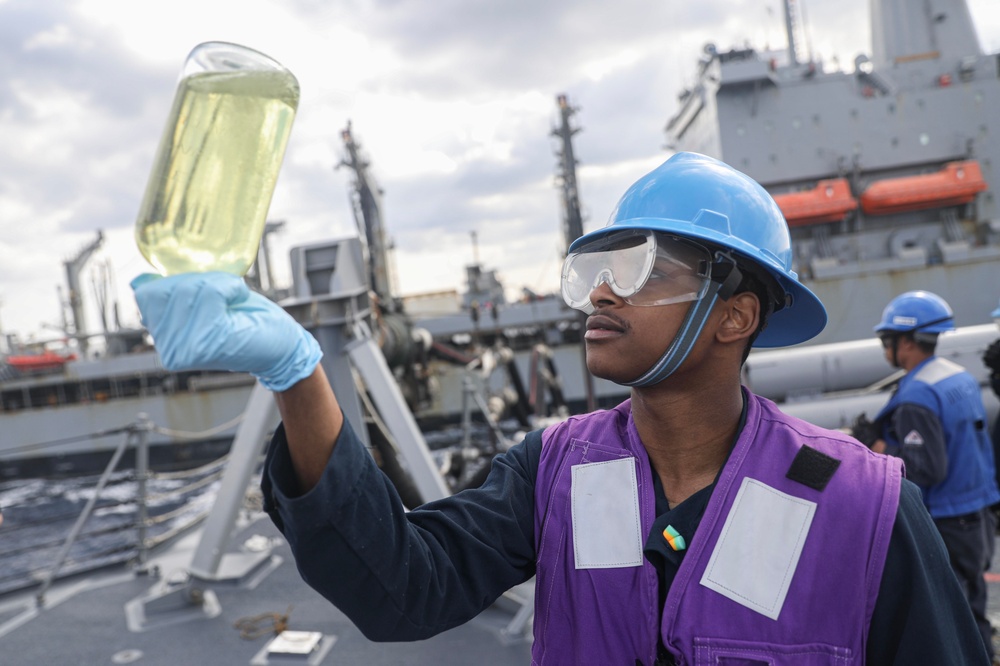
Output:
x=398 y=574
x=921 y=615
x=921 y=444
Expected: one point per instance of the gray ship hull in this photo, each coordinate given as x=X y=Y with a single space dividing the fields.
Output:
x=855 y=294
x=68 y=422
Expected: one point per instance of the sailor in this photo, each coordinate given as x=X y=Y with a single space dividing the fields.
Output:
x=693 y=523
x=935 y=421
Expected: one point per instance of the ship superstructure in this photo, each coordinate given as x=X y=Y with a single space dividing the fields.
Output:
x=887 y=175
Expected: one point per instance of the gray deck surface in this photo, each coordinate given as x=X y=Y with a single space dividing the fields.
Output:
x=88 y=627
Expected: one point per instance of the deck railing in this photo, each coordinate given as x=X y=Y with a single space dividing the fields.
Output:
x=126 y=513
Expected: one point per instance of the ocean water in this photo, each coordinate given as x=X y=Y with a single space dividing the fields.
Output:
x=40 y=513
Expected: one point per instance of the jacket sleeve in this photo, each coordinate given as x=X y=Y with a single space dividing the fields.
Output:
x=922 y=444
x=921 y=615
x=398 y=574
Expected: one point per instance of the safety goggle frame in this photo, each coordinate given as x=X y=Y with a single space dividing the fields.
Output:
x=642 y=267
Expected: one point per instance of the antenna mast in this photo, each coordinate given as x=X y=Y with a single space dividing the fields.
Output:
x=367 y=206
x=73 y=268
x=572 y=218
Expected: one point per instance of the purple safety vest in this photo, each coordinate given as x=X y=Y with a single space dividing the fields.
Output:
x=784 y=567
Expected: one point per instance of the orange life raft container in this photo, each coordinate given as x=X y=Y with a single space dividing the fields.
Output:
x=956 y=184
x=38 y=362
x=829 y=201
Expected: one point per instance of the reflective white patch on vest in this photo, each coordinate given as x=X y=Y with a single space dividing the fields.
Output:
x=759 y=547
x=938 y=369
x=605 y=506
x=913 y=439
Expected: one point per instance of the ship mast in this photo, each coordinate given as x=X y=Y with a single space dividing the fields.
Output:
x=790 y=23
x=366 y=203
x=572 y=218
x=74 y=267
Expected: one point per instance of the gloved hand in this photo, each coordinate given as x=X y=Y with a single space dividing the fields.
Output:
x=991 y=357
x=864 y=430
x=213 y=321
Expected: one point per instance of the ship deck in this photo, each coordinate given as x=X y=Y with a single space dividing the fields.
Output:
x=84 y=621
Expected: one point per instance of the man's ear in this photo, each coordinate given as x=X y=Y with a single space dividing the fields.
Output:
x=740 y=316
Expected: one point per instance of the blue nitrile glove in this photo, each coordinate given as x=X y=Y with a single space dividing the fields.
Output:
x=213 y=321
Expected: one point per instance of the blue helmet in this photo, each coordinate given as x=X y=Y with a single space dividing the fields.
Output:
x=704 y=199
x=996 y=313
x=917 y=312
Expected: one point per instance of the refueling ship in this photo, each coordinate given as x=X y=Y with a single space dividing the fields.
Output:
x=887 y=175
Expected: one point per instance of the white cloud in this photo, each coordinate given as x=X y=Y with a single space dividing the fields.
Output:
x=56 y=36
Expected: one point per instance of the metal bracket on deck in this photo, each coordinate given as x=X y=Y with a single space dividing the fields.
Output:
x=330 y=299
x=210 y=563
x=169 y=604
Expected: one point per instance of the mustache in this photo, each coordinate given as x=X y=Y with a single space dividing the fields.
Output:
x=609 y=316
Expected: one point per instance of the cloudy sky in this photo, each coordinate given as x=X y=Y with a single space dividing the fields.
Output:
x=453 y=101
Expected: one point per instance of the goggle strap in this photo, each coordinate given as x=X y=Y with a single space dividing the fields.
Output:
x=683 y=341
x=692 y=325
x=732 y=280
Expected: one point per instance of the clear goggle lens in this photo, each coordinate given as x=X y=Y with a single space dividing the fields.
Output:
x=641 y=267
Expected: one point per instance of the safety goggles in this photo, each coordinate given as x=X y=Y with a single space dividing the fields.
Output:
x=642 y=267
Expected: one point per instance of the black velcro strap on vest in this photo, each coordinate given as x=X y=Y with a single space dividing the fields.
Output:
x=812 y=468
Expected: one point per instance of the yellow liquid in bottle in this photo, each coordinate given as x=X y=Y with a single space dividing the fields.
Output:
x=208 y=193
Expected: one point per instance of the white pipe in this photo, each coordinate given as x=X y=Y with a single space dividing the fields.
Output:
x=799 y=372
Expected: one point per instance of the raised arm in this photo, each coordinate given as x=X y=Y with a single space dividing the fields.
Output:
x=313 y=421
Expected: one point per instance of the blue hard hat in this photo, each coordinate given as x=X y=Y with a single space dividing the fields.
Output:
x=996 y=313
x=698 y=197
x=917 y=311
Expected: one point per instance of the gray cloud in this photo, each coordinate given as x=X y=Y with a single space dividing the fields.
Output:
x=114 y=94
